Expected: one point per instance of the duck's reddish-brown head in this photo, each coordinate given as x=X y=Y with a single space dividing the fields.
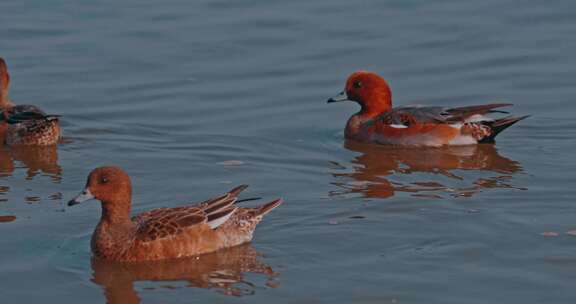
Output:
x=107 y=184
x=4 y=76
x=369 y=90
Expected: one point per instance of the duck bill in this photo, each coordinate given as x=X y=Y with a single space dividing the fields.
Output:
x=82 y=197
x=340 y=97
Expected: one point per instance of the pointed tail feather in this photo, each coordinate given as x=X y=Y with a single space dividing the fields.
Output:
x=266 y=208
x=250 y=217
x=236 y=191
x=500 y=125
x=218 y=204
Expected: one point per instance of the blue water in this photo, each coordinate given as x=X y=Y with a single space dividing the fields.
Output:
x=195 y=97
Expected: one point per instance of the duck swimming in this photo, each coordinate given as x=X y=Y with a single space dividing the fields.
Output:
x=377 y=122
x=24 y=124
x=164 y=233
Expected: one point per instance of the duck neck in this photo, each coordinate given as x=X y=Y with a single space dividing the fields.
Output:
x=5 y=102
x=114 y=234
x=4 y=85
x=375 y=104
x=116 y=212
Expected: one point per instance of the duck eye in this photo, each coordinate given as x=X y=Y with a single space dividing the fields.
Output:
x=357 y=84
x=103 y=180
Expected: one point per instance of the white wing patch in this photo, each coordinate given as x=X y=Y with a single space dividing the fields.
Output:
x=397 y=126
x=221 y=220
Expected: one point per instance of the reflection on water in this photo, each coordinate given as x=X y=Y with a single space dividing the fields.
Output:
x=223 y=271
x=3 y=191
x=7 y=218
x=374 y=170
x=35 y=160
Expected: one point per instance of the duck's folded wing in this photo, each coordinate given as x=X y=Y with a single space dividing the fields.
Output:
x=24 y=113
x=215 y=205
x=465 y=113
x=403 y=117
x=407 y=116
x=168 y=222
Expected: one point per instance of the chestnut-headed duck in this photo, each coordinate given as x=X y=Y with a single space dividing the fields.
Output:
x=377 y=122
x=164 y=233
x=24 y=124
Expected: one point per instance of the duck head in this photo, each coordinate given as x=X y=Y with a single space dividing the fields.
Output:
x=369 y=90
x=112 y=187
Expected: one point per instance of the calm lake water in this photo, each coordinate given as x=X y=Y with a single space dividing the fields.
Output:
x=195 y=97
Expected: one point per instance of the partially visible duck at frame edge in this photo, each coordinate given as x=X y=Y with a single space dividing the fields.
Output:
x=433 y=126
x=24 y=124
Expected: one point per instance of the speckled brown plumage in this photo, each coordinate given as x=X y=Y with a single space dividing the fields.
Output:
x=24 y=124
x=42 y=132
x=165 y=233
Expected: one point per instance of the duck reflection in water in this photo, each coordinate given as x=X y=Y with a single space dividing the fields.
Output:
x=223 y=270
x=377 y=171
x=35 y=159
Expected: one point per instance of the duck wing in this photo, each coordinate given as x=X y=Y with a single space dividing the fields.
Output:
x=24 y=113
x=168 y=222
x=411 y=115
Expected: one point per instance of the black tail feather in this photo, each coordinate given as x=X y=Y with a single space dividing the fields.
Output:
x=500 y=125
x=248 y=199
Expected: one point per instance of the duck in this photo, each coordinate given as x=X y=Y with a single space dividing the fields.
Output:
x=24 y=124
x=421 y=126
x=164 y=233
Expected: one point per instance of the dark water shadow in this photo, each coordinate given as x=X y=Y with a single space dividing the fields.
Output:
x=224 y=271
x=379 y=170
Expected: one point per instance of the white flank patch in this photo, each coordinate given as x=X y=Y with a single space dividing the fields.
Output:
x=399 y=126
x=463 y=140
x=478 y=117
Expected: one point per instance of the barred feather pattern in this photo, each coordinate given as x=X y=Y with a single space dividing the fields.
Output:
x=478 y=131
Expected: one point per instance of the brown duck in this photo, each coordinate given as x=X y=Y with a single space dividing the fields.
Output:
x=24 y=124
x=164 y=233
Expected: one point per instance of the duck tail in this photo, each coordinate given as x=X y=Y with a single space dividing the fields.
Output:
x=248 y=218
x=266 y=208
x=500 y=125
x=236 y=191
x=216 y=205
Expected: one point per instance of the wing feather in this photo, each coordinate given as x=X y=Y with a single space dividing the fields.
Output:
x=406 y=116
x=219 y=218
x=168 y=222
